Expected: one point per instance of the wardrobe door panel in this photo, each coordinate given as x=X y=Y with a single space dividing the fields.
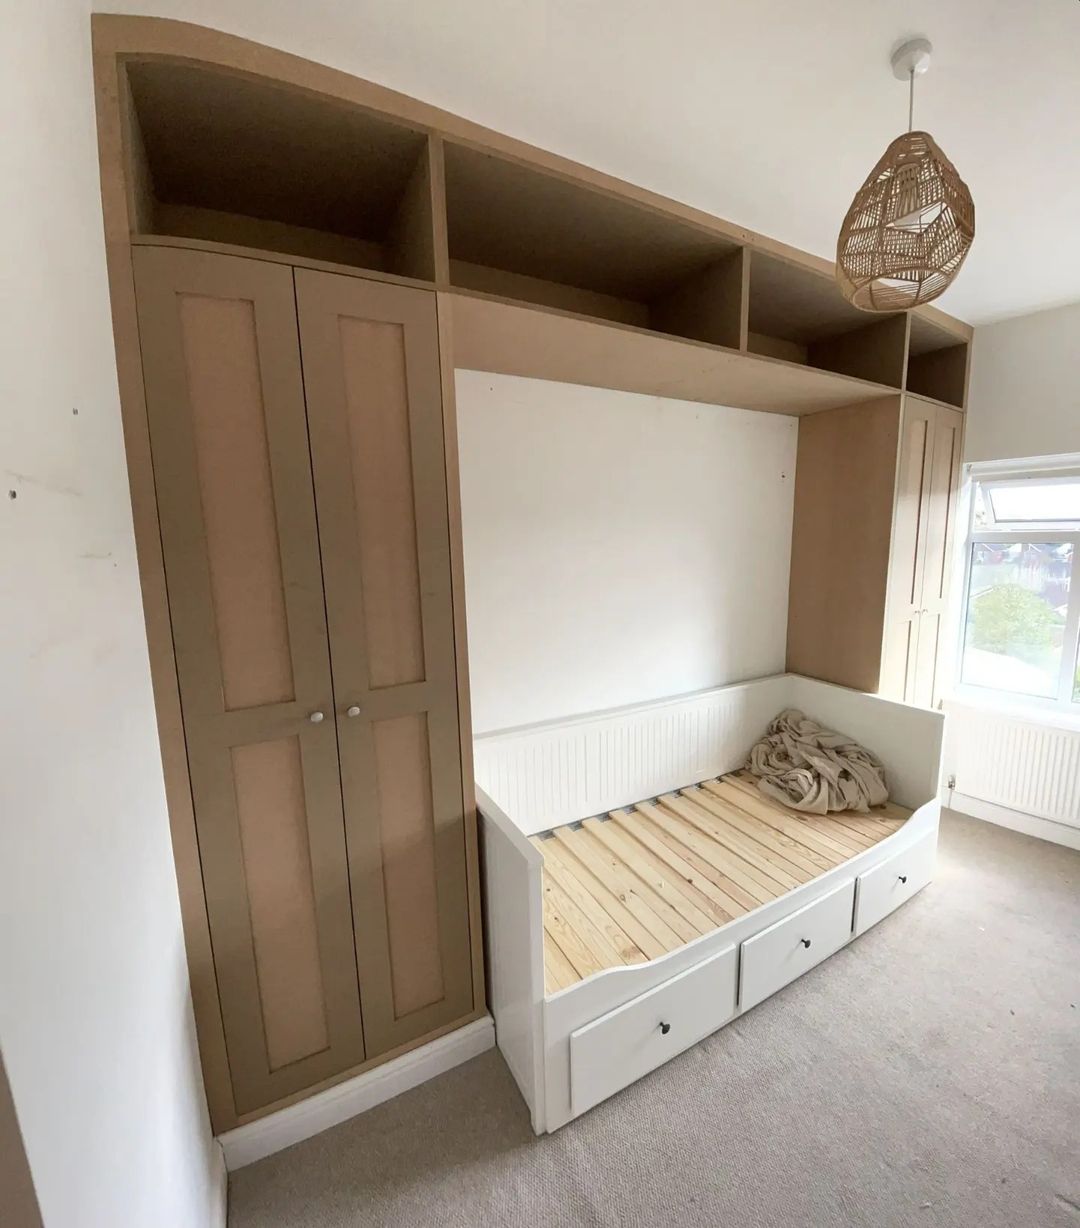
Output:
x=941 y=494
x=406 y=833
x=272 y=813
x=235 y=489
x=371 y=372
x=380 y=463
x=907 y=552
x=232 y=470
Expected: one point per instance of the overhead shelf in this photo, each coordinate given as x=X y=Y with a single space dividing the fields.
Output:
x=238 y=160
x=539 y=237
x=937 y=362
x=508 y=338
x=561 y=276
x=800 y=315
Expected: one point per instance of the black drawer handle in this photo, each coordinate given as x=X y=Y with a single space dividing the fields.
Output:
x=903 y=878
x=665 y=1028
x=805 y=942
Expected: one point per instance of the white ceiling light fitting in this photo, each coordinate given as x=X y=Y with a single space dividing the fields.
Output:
x=912 y=222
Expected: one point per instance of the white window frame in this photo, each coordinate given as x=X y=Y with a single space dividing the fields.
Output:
x=1063 y=468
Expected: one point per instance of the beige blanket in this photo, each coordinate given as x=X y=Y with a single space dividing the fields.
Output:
x=810 y=768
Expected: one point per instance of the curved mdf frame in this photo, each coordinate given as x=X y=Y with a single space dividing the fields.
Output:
x=117 y=39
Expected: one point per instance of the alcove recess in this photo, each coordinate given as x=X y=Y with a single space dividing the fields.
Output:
x=238 y=160
x=800 y=316
x=537 y=237
x=937 y=362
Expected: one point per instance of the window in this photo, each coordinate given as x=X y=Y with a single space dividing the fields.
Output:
x=1021 y=617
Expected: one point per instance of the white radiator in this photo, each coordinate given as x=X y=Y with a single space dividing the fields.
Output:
x=1014 y=763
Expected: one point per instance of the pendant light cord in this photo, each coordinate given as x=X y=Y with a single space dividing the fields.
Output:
x=911 y=99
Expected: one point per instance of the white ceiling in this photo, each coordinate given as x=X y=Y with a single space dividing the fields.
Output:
x=766 y=112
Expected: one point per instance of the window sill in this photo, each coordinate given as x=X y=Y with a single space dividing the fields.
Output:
x=1035 y=714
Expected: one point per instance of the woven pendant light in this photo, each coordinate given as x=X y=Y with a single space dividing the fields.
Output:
x=911 y=223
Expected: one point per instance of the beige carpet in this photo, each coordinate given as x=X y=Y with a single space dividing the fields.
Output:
x=929 y=1074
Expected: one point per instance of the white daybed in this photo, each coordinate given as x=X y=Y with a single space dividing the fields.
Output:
x=684 y=908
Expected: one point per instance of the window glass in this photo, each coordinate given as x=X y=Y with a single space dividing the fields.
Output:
x=1017 y=603
x=1046 y=502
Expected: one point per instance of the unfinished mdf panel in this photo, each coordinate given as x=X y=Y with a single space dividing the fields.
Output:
x=16 y=1181
x=799 y=315
x=524 y=233
x=245 y=160
x=233 y=481
x=840 y=542
x=937 y=362
x=373 y=383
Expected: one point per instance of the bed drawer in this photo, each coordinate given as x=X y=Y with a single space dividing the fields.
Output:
x=776 y=956
x=893 y=881
x=621 y=1046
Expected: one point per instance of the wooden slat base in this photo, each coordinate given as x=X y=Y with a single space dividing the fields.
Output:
x=632 y=885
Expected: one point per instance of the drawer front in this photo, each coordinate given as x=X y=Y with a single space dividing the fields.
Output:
x=776 y=956
x=894 y=881
x=621 y=1046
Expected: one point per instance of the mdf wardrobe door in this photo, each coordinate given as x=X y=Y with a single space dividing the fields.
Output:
x=901 y=639
x=940 y=508
x=371 y=374
x=228 y=436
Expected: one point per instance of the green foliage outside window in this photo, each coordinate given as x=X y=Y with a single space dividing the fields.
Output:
x=1010 y=618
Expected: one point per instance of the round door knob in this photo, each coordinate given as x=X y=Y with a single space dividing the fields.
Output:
x=903 y=878
x=665 y=1028
x=353 y=710
x=316 y=717
x=805 y=942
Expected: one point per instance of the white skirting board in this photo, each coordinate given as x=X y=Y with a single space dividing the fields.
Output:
x=309 y=1117
x=217 y=1213
x=1003 y=816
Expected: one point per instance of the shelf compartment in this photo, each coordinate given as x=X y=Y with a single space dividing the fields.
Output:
x=239 y=160
x=523 y=233
x=799 y=315
x=937 y=362
x=511 y=338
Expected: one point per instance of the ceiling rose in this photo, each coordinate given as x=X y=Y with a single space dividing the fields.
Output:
x=912 y=222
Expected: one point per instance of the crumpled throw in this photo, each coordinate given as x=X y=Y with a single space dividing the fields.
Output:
x=810 y=768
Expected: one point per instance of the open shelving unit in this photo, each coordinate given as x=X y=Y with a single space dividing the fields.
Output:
x=937 y=363
x=241 y=161
x=548 y=273
x=799 y=315
x=526 y=234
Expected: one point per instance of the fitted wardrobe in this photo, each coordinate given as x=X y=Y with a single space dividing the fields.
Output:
x=298 y=261
x=875 y=500
x=296 y=431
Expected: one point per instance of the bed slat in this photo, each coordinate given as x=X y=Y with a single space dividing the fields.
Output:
x=637 y=883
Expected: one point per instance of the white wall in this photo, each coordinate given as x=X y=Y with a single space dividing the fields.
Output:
x=1025 y=387
x=95 y=1015
x=618 y=547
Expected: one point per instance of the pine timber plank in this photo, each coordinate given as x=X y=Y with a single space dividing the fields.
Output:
x=695 y=905
x=723 y=906
x=640 y=882
x=696 y=848
x=626 y=950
